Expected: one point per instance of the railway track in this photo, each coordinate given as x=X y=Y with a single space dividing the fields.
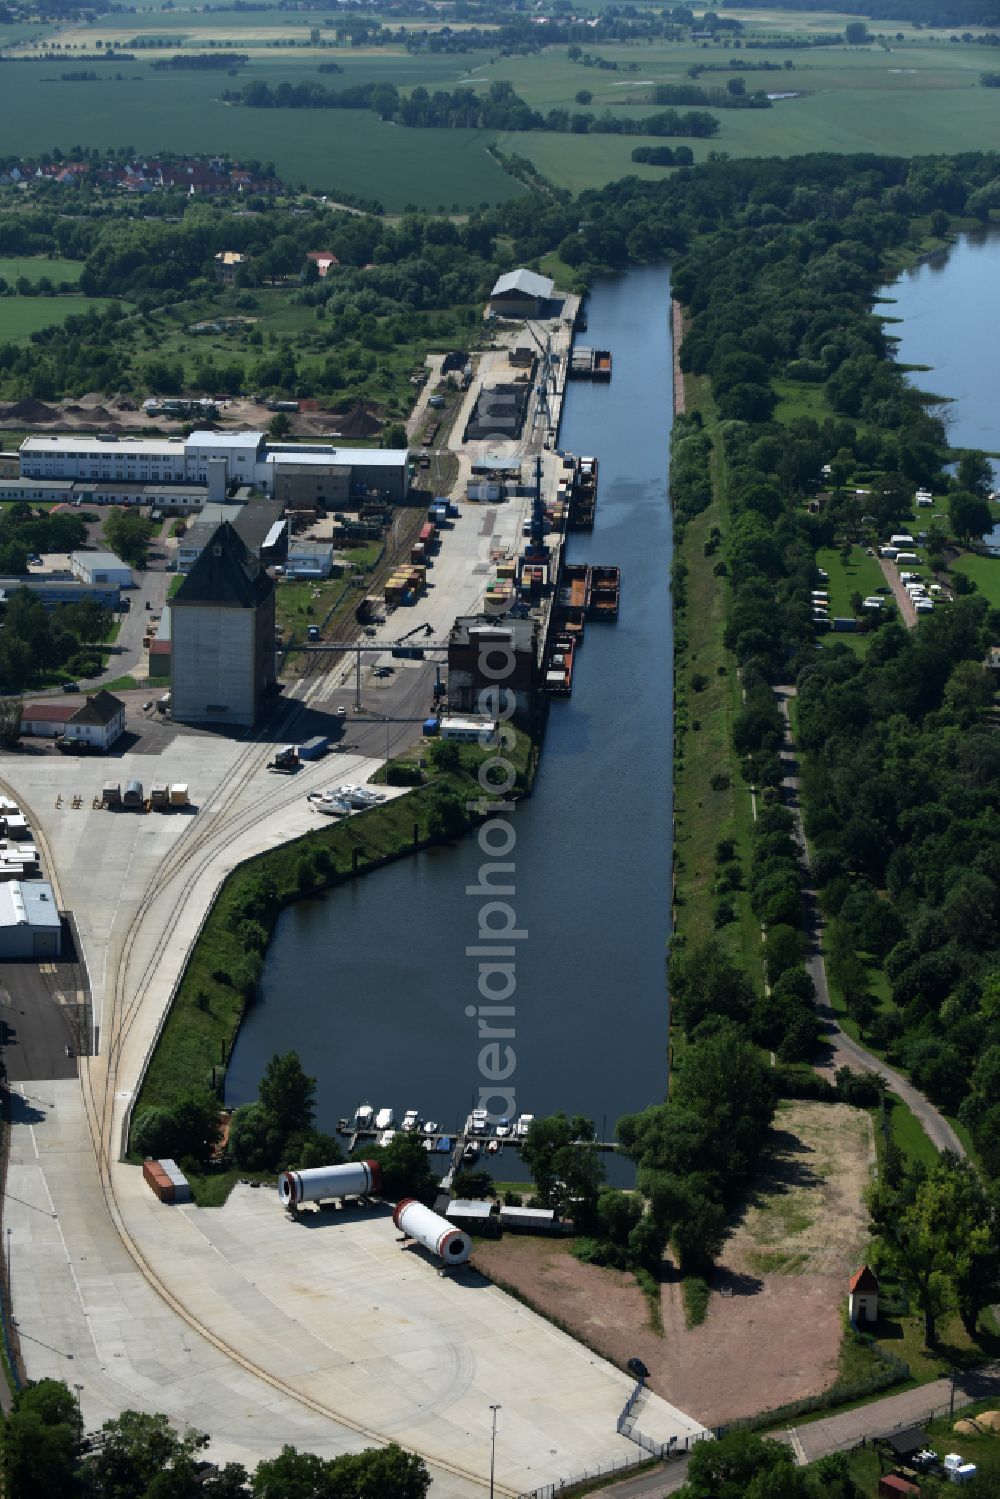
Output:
x=218 y=823
x=216 y=826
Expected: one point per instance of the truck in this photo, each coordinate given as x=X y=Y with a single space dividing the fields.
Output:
x=312 y=633
x=314 y=748
x=286 y=760
x=133 y=796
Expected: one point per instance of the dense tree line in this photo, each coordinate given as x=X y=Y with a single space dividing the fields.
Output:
x=202 y=62
x=138 y=1455
x=464 y=109
x=663 y=156
x=733 y=96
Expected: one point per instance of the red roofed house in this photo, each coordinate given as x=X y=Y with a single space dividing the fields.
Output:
x=324 y=260
x=862 y=1303
x=99 y=721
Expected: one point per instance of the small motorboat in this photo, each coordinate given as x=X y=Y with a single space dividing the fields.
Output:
x=493 y=1147
x=471 y=1152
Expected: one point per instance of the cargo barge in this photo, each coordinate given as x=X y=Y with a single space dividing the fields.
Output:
x=605 y=587
x=584 y=593
x=590 y=364
x=559 y=667
x=583 y=495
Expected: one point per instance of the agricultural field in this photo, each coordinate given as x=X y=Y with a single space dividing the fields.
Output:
x=34 y=267
x=910 y=92
x=349 y=150
x=20 y=317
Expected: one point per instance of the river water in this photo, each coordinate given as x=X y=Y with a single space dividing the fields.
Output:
x=370 y=982
x=949 y=306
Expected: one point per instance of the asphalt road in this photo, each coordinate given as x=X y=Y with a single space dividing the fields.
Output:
x=36 y=1029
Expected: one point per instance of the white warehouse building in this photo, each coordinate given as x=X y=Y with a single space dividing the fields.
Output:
x=30 y=924
x=214 y=459
x=100 y=567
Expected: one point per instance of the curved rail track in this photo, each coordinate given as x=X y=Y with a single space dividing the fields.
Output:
x=217 y=824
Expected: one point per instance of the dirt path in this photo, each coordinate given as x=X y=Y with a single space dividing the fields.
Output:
x=677 y=328
x=905 y=604
x=777 y=1295
x=842 y=1050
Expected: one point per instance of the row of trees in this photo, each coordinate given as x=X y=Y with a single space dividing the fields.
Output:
x=464 y=109
x=138 y=1455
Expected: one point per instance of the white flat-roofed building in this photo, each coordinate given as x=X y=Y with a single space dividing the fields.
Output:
x=242 y=451
x=30 y=924
x=140 y=459
x=469 y=730
x=100 y=567
x=119 y=467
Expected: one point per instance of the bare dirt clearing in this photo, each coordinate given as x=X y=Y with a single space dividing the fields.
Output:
x=786 y=1267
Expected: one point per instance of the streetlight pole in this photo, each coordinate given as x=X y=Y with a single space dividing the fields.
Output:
x=493 y=1446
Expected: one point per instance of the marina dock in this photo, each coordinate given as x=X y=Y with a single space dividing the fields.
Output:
x=471 y=1142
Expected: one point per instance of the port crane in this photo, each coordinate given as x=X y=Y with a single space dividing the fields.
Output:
x=546 y=373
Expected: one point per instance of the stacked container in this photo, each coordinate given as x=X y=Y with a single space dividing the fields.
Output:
x=167 y=1180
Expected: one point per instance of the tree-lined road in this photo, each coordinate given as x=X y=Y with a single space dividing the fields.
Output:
x=844 y=1050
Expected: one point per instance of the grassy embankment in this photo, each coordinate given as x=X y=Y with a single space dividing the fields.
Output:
x=198 y=1035
x=711 y=800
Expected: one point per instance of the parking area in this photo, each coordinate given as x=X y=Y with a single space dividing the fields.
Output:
x=43 y=1020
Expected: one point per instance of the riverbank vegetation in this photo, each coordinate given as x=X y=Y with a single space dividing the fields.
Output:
x=894 y=860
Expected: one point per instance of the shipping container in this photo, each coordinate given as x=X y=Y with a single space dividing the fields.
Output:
x=133 y=794
x=158 y=1180
x=111 y=796
x=177 y=1179
x=314 y=748
x=159 y=796
x=179 y=795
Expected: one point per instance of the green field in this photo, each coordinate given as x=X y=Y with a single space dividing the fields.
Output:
x=984 y=572
x=34 y=267
x=350 y=150
x=20 y=317
x=909 y=97
x=861 y=574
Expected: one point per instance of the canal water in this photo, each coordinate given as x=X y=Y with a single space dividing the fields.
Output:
x=949 y=306
x=370 y=983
